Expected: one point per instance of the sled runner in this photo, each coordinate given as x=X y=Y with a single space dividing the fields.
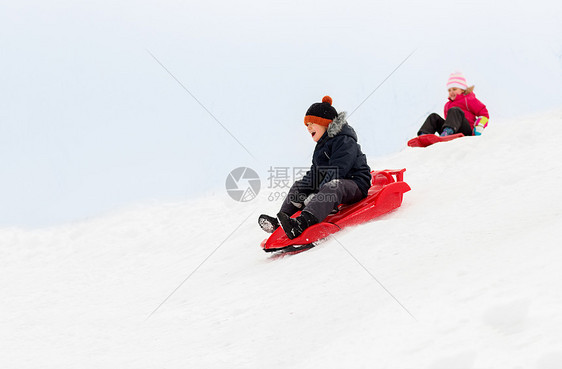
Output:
x=428 y=140
x=385 y=194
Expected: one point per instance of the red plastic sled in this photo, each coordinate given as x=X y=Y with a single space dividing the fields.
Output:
x=385 y=194
x=428 y=140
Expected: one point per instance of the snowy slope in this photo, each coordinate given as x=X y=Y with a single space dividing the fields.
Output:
x=464 y=275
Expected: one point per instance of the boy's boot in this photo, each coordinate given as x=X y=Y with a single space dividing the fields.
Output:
x=267 y=223
x=294 y=227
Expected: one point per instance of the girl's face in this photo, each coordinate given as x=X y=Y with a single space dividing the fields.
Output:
x=315 y=130
x=454 y=92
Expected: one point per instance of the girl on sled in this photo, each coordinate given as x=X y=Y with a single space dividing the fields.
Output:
x=464 y=113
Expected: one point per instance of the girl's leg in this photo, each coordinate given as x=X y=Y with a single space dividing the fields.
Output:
x=433 y=123
x=457 y=121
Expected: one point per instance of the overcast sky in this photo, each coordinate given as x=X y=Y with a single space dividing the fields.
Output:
x=93 y=116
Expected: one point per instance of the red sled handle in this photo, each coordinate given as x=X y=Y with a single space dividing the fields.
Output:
x=391 y=175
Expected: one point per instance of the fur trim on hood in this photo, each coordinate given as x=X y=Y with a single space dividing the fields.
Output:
x=337 y=124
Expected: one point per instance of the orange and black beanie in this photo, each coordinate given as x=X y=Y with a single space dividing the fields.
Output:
x=321 y=113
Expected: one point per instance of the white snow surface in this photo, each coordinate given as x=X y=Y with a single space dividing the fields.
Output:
x=466 y=274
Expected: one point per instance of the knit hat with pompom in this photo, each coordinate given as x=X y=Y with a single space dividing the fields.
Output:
x=321 y=113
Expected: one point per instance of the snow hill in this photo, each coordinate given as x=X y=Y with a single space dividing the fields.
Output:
x=466 y=274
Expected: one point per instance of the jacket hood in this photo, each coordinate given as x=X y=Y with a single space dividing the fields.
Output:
x=339 y=126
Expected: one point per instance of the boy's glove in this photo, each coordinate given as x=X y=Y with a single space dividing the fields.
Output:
x=479 y=125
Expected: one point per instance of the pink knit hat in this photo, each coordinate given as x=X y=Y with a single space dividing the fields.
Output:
x=457 y=80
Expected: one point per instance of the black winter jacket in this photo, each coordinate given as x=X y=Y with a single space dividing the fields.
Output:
x=338 y=156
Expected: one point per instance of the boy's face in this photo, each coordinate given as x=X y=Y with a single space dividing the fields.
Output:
x=316 y=130
x=454 y=92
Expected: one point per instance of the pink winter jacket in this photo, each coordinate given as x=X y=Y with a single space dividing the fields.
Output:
x=470 y=105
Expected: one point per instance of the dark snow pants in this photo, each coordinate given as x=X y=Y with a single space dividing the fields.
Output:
x=455 y=120
x=330 y=196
